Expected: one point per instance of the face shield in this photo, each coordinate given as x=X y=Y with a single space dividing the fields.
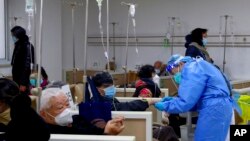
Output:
x=175 y=60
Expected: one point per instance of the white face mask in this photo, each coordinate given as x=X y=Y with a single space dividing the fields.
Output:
x=157 y=71
x=64 y=118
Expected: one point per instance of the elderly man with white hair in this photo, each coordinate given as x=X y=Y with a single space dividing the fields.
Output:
x=55 y=111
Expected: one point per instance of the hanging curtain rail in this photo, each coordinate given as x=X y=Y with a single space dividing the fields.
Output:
x=240 y=41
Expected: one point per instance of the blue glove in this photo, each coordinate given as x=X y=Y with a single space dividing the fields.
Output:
x=167 y=98
x=159 y=106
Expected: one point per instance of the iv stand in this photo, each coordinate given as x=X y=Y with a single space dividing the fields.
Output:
x=34 y=32
x=225 y=43
x=172 y=45
x=108 y=34
x=39 y=62
x=113 y=23
x=126 y=59
x=85 y=44
x=73 y=5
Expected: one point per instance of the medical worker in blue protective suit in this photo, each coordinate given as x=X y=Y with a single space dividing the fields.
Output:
x=202 y=88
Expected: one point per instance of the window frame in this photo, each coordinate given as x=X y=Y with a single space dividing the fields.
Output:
x=5 y=62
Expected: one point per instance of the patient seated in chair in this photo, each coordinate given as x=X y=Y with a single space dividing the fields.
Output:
x=61 y=120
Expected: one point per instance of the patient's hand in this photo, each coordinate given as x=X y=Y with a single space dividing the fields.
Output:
x=152 y=101
x=115 y=126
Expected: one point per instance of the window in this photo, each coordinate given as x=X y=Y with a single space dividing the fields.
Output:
x=2 y=31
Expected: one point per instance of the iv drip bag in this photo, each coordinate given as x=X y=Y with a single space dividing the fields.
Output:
x=99 y=2
x=132 y=10
x=29 y=7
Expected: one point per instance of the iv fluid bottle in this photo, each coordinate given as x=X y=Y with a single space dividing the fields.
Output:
x=29 y=6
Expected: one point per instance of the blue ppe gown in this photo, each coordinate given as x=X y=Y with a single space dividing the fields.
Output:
x=204 y=89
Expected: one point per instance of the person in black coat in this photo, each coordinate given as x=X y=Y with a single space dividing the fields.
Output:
x=8 y=91
x=196 y=44
x=145 y=86
x=104 y=83
x=23 y=56
x=25 y=123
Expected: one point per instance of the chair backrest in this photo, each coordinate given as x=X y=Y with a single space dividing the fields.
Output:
x=138 y=124
x=64 y=137
x=157 y=115
x=118 y=78
x=243 y=91
x=239 y=84
x=129 y=92
x=34 y=102
x=69 y=75
x=77 y=92
x=164 y=92
x=167 y=82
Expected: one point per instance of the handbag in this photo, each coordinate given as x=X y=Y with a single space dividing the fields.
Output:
x=94 y=108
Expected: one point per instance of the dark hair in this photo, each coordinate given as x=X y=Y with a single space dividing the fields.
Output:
x=146 y=71
x=19 y=33
x=188 y=40
x=8 y=90
x=102 y=78
x=196 y=35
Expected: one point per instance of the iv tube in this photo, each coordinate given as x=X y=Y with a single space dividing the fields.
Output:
x=99 y=3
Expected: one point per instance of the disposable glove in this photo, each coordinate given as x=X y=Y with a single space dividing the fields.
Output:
x=167 y=98
x=159 y=106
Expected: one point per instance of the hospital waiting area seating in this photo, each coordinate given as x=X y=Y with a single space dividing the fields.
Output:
x=138 y=124
x=140 y=119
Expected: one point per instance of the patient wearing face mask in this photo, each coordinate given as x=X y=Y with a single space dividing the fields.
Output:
x=104 y=83
x=61 y=120
x=196 y=44
x=18 y=120
x=160 y=68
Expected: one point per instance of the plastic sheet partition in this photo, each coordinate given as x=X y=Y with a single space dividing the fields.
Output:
x=179 y=41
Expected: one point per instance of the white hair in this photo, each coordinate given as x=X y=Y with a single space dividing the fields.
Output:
x=46 y=96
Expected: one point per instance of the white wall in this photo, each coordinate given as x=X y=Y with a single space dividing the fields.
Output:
x=151 y=18
x=52 y=32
